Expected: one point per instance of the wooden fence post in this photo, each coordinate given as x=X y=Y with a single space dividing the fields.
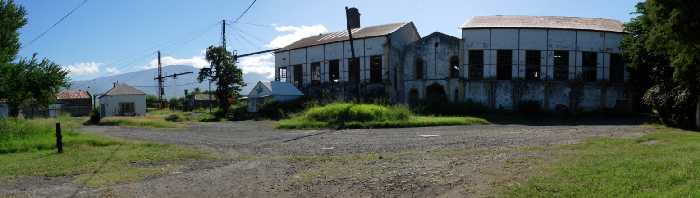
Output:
x=59 y=138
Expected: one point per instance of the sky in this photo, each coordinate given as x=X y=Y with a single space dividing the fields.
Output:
x=105 y=37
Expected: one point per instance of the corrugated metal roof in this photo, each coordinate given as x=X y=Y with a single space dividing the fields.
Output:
x=69 y=94
x=364 y=32
x=280 y=89
x=123 y=89
x=554 y=22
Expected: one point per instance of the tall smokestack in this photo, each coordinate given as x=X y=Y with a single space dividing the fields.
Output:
x=353 y=17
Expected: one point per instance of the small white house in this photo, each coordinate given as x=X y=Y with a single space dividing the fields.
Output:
x=123 y=100
x=275 y=90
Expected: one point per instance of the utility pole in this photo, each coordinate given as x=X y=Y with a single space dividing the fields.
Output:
x=353 y=62
x=223 y=33
x=160 y=82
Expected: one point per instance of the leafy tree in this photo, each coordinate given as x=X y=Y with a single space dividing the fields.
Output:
x=29 y=80
x=663 y=48
x=228 y=77
x=12 y=17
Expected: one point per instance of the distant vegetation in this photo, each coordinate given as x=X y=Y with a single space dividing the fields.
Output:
x=160 y=119
x=348 y=115
x=94 y=160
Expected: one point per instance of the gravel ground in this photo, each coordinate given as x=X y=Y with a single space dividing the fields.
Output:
x=260 y=161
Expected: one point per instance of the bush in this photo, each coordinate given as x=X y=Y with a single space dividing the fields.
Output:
x=530 y=106
x=173 y=118
x=95 y=116
x=346 y=112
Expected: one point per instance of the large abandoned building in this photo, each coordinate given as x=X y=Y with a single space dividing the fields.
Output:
x=500 y=61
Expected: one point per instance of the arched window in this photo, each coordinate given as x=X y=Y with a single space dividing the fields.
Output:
x=418 y=70
x=454 y=67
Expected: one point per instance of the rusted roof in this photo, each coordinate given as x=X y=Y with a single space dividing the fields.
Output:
x=364 y=32
x=123 y=89
x=72 y=94
x=554 y=22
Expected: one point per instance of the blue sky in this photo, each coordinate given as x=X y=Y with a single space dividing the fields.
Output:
x=109 y=37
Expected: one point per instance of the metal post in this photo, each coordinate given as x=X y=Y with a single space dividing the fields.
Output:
x=59 y=138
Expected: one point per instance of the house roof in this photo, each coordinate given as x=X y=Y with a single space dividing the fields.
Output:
x=72 y=94
x=554 y=22
x=274 y=88
x=123 y=89
x=363 y=32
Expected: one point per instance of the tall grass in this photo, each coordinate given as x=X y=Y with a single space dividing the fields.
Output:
x=20 y=135
x=349 y=115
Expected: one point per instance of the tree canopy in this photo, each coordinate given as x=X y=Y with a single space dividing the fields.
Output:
x=228 y=77
x=663 y=48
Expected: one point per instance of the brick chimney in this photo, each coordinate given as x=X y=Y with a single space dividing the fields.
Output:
x=353 y=17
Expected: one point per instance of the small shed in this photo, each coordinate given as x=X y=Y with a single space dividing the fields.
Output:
x=275 y=90
x=74 y=102
x=202 y=100
x=123 y=100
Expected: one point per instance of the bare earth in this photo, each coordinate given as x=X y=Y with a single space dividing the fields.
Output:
x=256 y=160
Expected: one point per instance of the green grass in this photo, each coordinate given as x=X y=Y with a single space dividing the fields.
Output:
x=347 y=115
x=27 y=149
x=660 y=164
x=160 y=119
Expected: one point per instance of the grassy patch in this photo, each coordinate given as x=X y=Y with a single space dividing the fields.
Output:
x=660 y=164
x=27 y=148
x=346 y=115
x=160 y=119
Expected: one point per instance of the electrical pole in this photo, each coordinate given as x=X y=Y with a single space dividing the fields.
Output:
x=353 y=62
x=223 y=33
x=160 y=82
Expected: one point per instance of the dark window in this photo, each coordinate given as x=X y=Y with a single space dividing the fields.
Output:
x=282 y=73
x=617 y=68
x=298 y=75
x=504 y=64
x=532 y=65
x=590 y=62
x=126 y=108
x=476 y=64
x=454 y=67
x=375 y=69
x=354 y=69
x=418 y=70
x=561 y=65
x=316 y=73
x=334 y=67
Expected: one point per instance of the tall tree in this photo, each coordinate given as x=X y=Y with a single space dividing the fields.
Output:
x=228 y=77
x=663 y=48
x=12 y=17
x=28 y=80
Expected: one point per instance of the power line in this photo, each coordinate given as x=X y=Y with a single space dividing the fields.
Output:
x=57 y=22
x=244 y=12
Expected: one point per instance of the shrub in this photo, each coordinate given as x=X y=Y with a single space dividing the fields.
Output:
x=530 y=106
x=346 y=112
x=173 y=118
x=95 y=116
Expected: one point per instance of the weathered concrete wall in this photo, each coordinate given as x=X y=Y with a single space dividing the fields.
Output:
x=110 y=104
x=435 y=51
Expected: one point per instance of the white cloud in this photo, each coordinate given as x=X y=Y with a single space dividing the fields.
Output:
x=294 y=33
x=112 y=70
x=196 y=61
x=260 y=64
x=84 y=69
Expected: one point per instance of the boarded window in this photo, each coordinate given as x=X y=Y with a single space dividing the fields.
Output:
x=282 y=73
x=126 y=108
x=532 y=65
x=418 y=70
x=476 y=64
x=316 y=73
x=617 y=68
x=298 y=75
x=354 y=69
x=590 y=62
x=454 y=67
x=334 y=73
x=561 y=65
x=375 y=69
x=504 y=64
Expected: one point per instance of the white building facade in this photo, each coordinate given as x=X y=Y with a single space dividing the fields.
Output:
x=123 y=100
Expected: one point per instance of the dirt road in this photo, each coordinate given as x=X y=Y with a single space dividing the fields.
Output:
x=260 y=161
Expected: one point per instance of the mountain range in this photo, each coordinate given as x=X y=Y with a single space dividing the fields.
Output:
x=144 y=81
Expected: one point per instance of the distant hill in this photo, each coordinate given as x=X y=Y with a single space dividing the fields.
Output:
x=143 y=80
